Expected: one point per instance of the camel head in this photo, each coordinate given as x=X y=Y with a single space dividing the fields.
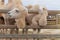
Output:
x=14 y=13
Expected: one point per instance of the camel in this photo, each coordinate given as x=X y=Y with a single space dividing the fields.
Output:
x=19 y=17
x=39 y=19
x=19 y=12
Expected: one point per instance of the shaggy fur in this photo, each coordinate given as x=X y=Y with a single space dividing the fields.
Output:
x=10 y=4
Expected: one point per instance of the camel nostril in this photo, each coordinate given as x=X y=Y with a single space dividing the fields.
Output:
x=9 y=15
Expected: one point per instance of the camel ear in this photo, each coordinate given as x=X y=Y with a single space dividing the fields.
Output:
x=44 y=8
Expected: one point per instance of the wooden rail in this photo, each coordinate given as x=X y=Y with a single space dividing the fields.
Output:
x=4 y=10
x=23 y=36
x=46 y=27
x=28 y=27
x=28 y=36
x=7 y=26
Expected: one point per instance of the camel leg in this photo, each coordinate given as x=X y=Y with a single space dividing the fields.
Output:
x=25 y=31
x=39 y=30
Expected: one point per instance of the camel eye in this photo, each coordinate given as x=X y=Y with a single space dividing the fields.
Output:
x=8 y=13
x=17 y=11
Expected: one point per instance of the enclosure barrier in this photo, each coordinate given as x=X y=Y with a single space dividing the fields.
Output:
x=25 y=35
x=28 y=36
x=28 y=27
